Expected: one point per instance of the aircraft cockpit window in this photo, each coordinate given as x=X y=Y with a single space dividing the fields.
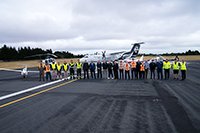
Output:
x=86 y=56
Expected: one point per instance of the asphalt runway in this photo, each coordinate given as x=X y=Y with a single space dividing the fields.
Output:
x=100 y=105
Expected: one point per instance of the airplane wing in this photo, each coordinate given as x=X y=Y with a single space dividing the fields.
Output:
x=117 y=53
x=12 y=70
x=33 y=71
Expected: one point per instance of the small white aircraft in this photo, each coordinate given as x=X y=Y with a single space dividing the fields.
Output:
x=113 y=56
x=24 y=72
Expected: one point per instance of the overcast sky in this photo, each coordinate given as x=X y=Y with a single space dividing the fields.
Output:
x=87 y=26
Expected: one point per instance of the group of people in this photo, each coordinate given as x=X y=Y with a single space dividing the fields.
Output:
x=137 y=70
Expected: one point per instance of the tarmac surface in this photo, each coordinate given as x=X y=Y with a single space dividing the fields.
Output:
x=100 y=105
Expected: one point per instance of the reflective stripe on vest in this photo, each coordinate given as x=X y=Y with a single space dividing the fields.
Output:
x=121 y=66
x=166 y=65
x=53 y=66
x=175 y=66
x=58 y=67
x=127 y=67
x=71 y=65
x=133 y=65
x=78 y=65
x=183 y=66
x=142 y=67
x=65 y=67
x=47 y=68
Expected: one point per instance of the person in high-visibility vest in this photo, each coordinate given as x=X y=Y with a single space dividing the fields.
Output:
x=65 y=69
x=121 y=69
x=176 y=69
x=127 y=68
x=53 y=68
x=166 y=67
x=48 y=71
x=133 y=68
x=142 y=70
x=72 y=67
x=41 y=71
x=59 y=69
x=183 y=69
x=78 y=69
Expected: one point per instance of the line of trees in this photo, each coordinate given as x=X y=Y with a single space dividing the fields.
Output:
x=11 y=53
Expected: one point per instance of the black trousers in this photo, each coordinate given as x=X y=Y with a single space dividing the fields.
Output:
x=116 y=74
x=93 y=73
x=138 y=74
x=166 y=73
x=142 y=74
x=127 y=74
x=110 y=73
x=78 y=73
x=153 y=73
x=86 y=72
x=183 y=72
x=71 y=73
x=121 y=73
x=99 y=73
x=159 y=71
x=133 y=70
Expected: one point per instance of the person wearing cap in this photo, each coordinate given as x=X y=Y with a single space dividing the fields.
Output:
x=41 y=71
x=59 y=69
x=176 y=66
x=53 y=68
x=65 y=69
x=183 y=69
x=48 y=71
x=133 y=68
x=159 y=66
x=78 y=69
x=166 y=67
x=72 y=67
x=152 y=68
x=146 y=69
x=121 y=69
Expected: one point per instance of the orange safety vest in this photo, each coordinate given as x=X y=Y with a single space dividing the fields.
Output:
x=127 y=67
x=47 y=69
x=133 y=65
x=121 y=66
x=142 y=67
x=43 y=68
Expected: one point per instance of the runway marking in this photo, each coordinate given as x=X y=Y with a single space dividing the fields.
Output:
x=34 y=94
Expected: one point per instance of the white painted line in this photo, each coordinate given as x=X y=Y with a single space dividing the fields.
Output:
x=30 y=89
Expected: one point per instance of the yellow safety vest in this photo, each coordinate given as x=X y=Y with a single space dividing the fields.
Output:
x=65 y=67
x=53 y=66
x=166 y=65
x=121 y=66
x=127 y=67
x=133 y=65
x=183 y=66
x=58 y=67
x=78 y=65
x=175 y=66
x=71 y=65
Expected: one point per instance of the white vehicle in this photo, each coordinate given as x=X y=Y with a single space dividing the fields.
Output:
x=113 y=56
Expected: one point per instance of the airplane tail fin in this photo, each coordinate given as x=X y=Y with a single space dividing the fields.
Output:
x=141 y=58
x=135 y=49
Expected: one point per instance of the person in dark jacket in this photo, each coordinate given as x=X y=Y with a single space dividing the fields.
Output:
x=110 y=66
x=152 y=68
x=86 y=69
x=105 y=67
x=115 y=68
x=159 y=66
x=99 y=73
x=92 y=69
x=138 y=69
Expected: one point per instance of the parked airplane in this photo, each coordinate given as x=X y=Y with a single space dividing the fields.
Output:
x=24 y=72
x=113 y=56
